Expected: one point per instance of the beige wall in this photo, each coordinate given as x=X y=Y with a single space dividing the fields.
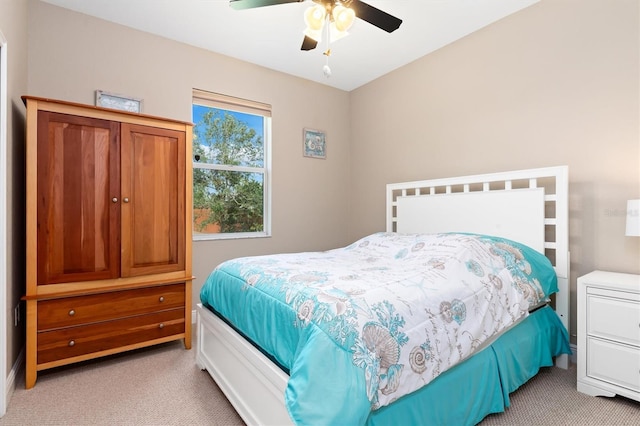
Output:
x=556 y=83
x=13 y=19
x=71 y=55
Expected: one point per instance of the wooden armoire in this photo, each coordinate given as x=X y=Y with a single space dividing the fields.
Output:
x=108 y=228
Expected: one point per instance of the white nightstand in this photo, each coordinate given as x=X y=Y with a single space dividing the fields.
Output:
x=609 y=334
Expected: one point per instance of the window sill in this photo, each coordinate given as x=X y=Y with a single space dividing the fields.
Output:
x=230 y=236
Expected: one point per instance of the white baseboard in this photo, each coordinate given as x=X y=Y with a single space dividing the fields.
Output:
x=11 y=378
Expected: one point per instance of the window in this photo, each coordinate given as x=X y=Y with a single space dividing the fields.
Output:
x=231 y=162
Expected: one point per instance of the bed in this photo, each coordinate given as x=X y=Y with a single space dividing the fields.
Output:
x=305 y=374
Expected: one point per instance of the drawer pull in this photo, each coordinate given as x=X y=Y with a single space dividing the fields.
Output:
x=72 y=312
x=161 y=326
x=72 y=342
x=161 y=299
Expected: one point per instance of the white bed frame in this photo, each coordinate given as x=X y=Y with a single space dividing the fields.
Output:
x=530 y=206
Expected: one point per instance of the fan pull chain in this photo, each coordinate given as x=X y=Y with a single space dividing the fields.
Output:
x=326 y=70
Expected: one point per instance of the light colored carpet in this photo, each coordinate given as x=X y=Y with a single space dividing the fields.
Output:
x=154 y=386
x=163 y=386
x=551 y=398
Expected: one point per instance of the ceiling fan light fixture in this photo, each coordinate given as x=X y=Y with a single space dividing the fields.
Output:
x=314 y=34
x=336 y=34
x=314 y=18
x=343 y=17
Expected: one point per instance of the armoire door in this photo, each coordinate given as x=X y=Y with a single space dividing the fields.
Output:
x=153 y=200
x=78 y=198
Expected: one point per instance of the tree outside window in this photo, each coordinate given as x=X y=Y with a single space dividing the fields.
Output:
x=230 y=171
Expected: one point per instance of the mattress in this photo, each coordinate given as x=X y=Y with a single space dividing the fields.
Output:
x=371 y=324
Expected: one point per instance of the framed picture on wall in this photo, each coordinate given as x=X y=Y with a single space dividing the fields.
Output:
x=114 y=101
x=314 y=143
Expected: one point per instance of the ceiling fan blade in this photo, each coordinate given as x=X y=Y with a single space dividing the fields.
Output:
x=375 y=16
x=308 y=43
x=250 y=4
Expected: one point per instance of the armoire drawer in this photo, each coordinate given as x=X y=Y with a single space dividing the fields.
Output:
x=78 y=310
x=75 y=341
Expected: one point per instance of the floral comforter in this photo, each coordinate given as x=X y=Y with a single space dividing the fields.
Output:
x=361 y=326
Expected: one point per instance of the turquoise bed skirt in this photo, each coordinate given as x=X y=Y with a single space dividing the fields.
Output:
x=481 y=385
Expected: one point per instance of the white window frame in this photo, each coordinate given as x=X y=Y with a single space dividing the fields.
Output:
x=229 y=103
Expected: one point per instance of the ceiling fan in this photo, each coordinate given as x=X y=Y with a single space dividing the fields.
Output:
x=339 y=15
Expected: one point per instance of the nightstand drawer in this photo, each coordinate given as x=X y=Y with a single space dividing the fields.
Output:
x=614 y=363
x=614 y=319
x=73 y=311
x=75 y=341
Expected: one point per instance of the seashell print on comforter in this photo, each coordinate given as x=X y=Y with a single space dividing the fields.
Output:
x=361 y=326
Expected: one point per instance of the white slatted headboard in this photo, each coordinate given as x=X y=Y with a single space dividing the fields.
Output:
x=530 y=206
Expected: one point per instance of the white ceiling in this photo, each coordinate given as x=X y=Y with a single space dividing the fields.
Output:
x=271 y=36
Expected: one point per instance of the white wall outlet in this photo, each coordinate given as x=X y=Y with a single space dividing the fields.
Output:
x=16 y=315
